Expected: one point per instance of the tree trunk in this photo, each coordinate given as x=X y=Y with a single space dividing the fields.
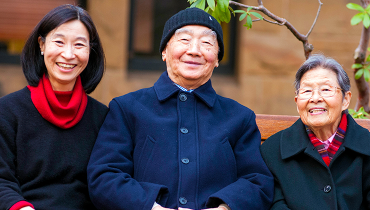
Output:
x=360 y=56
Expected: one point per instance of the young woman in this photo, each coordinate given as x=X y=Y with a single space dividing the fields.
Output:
x=48 y=129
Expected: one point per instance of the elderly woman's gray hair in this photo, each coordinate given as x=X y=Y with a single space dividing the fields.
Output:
x=320 y=61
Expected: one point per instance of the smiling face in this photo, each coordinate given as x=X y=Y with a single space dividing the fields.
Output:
x=320 y=113
x=66 y=54
x=191 y=55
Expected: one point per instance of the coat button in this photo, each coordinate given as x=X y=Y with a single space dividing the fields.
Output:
x=184 y=130
x=327 y=188
x=183 y=97
x=185 y=160
x=183 y=200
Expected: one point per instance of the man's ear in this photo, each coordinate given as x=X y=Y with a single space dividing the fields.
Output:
x=164 y=53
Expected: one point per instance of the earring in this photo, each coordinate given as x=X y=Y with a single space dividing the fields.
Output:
x=42 y=53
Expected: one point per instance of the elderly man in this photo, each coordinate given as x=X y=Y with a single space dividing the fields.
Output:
x=179 y=145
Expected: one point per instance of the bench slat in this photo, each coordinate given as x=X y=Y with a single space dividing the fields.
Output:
x=271 y=124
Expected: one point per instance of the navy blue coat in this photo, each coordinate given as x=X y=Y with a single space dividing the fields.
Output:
x=191 y=150
x=303 y=181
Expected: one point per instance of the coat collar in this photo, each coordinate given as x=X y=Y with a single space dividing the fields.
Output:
x=165 y=88
x=294 y=140
x=358 y=137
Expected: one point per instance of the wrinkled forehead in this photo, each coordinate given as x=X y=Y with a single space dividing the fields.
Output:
x=319 y=76
x=203 y=31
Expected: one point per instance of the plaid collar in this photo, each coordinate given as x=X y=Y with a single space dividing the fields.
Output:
x=327 y=155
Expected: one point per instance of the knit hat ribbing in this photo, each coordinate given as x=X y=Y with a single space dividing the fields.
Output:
x=192 y=16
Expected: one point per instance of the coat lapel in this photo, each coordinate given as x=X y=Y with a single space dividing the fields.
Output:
x=357 y=138
x=294 y=140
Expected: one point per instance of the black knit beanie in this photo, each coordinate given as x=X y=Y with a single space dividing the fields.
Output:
x=192 y=16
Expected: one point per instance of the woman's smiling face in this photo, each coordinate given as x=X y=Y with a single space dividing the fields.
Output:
x=319 y=112
x=66 y=54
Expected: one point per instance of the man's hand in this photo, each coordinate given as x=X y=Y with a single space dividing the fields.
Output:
x=161 y=208
x=218 y=208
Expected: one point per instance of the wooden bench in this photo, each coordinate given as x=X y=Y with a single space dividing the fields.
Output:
x=271 y=124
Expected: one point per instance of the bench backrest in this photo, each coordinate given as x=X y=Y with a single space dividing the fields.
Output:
x=271 y=124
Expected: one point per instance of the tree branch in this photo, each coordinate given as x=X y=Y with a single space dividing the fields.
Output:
x=274 y=22
x=314 y=22
x=281 y=21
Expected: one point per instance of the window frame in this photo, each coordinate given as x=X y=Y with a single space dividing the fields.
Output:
x=155 y=63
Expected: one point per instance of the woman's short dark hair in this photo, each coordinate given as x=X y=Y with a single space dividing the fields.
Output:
x=33 y=62
x=318 y=60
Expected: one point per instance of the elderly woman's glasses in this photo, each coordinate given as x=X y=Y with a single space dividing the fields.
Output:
x=324 y=91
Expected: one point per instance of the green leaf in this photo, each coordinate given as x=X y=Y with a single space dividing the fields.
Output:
x=363 y=110
x=359 y=73
x=368 y=58
x=360 y=114
x=356 y=66
x=242 y=11
x=249 y=9
x=366 y=75
x=225 y=16
x=228 y=15
x=221 y=16
x=211 y=4
x=357 y=18
x=242 y=16
x=367 y=8
x=368 y=49
x=215 y=14
x=366 y=21
x=351 y=111
x=202 y=5
x=207 y=9
x=249 y=22
x=195 y=3
x=223 y=5
x=355 y=7
x=257 y=15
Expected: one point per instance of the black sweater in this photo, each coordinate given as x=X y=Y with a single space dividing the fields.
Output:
x=40 y=162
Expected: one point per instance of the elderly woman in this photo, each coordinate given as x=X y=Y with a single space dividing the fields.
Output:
x=179 y=145
x=48 y=129
x=323 y=160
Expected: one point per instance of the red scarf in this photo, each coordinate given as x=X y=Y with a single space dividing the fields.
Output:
x=327 y=155
x=63 y=115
